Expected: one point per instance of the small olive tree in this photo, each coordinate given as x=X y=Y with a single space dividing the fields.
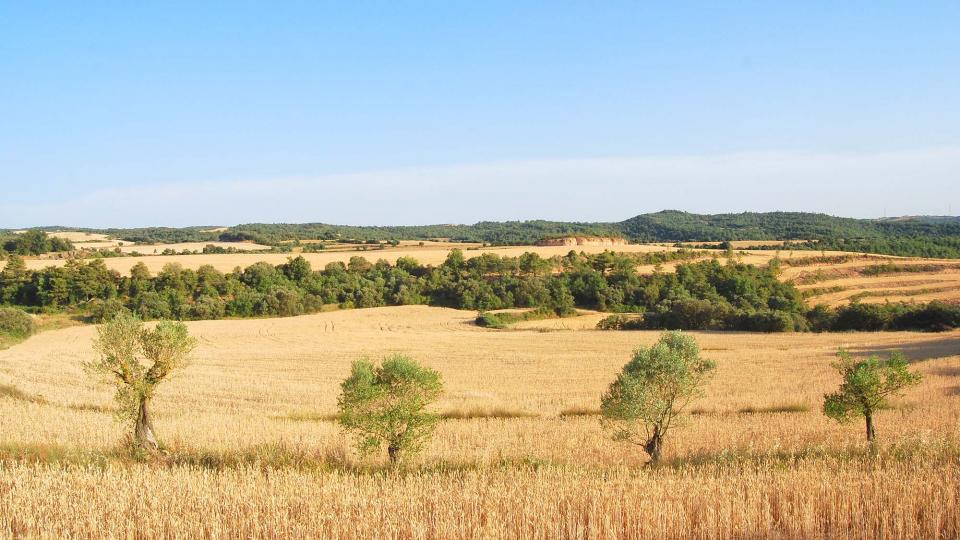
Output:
x=652 y=390
x=866 y=386
x=135 y=360
x=385 y=405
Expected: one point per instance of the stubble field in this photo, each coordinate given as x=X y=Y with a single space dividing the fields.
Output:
x=252 y=450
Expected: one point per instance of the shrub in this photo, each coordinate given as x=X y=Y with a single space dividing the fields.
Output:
x=857 y=316
x=16 y=323
x=934 y=317
x=620 y=322
x=105 y=310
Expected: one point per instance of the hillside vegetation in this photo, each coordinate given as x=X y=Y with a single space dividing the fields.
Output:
x=912 y=236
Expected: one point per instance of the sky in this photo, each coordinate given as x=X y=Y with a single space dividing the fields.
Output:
x=121 y=114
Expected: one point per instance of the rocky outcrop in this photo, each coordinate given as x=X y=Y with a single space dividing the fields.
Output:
x=582 y=241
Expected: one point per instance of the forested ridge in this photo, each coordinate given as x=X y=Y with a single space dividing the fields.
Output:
x=663 y=226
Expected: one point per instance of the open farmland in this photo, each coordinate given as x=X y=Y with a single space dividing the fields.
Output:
x=252 y=450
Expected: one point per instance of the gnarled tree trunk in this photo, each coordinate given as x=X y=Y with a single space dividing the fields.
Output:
x=143 y=430
x=654 y=445
x=393 y=451
x=871 y=435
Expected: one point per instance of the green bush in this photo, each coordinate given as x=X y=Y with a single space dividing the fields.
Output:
x=620 y=322
x=16 y=323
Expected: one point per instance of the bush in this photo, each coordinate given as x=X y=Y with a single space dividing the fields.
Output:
x=105 y=310
x=933 y=317
x=209 y=308
x=690 y=314
x=620 y=322
x=867 y=317
x=16 y=323
x=821 y=318
x=769 y=321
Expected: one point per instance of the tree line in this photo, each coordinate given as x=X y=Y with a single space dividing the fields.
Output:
x=32 y=242
x=933 y=247
x=706 y=294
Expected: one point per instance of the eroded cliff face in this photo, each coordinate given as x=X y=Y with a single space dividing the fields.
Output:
x=583 y=241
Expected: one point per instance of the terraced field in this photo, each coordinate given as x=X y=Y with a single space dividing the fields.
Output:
x=871 y=280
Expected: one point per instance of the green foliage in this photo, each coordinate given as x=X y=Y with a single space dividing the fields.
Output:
x=706 y=295
x=135 y=359
x=620 y=322
x=652 y=390
x=33 y=242
x=918 y=237
x=504 y=320
x=16 y=323
x=933 y=316
x=385 y=405
x=866 y=386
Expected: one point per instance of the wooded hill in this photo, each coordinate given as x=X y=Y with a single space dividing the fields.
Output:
x=918 y=235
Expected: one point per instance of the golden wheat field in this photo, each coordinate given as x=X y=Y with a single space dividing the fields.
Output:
x=252 y=451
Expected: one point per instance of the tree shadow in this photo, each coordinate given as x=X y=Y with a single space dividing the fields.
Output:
x=915 y=352
x=946 y=371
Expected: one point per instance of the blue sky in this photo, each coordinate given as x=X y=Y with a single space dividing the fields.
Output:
x=137 y=113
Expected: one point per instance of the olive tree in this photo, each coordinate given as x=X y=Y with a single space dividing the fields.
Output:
x=385 y=405
x=136 y=360
x=652 y=390
x=866 y=386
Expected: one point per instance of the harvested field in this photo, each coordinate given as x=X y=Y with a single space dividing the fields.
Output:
x=838 y=284
x=155 y=249
x=249 y=440
x=83 y=237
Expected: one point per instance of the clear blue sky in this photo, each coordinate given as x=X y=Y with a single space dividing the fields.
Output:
x=141 y=113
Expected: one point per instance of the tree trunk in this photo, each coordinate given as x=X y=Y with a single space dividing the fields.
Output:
x=143 y=430
x=394 y=452
x=870 y=433
x=653 y=446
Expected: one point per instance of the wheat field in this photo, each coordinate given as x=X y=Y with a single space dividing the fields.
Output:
x=252 y=450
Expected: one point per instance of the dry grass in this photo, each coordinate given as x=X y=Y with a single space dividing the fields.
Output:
x=252 y=451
